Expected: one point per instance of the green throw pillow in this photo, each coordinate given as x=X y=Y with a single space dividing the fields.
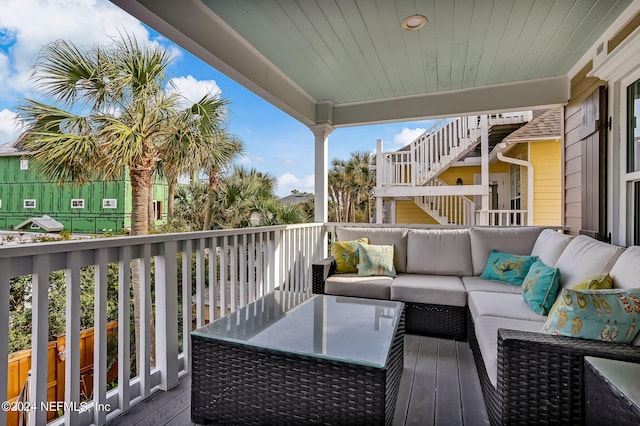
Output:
x=375 y=260
x=607 y=315
x=540 y=287
x=511 y=268
x=597 y=282
x=346 y=254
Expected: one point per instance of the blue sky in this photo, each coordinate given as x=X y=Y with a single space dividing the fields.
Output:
x=275 y=142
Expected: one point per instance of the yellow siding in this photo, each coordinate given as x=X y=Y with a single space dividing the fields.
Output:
x=407 y=212
x=547 y=178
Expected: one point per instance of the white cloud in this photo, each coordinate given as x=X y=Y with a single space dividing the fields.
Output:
x=28 y=25
x=288 y=182
x=193 y=90
x=9 y=126
x=406 y=136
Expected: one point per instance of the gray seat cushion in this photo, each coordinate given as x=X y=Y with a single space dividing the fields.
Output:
x=486 y=328
x=474 y=283
x=626 y=270
x=429 y=289
x=585 y=257
x=377 y=287
x=550 y=245
x=514 y=240
x=439 y=252
x=501 y=305
x=381 y=236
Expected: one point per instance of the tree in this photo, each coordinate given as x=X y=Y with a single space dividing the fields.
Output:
x=351 y=184
x=112 y=112
x=214 y=162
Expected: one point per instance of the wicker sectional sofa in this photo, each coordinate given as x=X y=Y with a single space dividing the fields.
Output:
x=527 y=377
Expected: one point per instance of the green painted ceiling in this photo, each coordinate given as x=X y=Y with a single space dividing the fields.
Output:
x=350 y=62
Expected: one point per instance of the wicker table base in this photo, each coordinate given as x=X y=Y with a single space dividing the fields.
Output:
x=234 y=383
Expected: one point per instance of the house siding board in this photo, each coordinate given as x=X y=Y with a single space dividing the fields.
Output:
x=547 y=171
x=55 y=200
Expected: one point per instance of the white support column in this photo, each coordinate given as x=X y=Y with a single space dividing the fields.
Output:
x=379 y=180
x=39 y=338
x=321 y=133
x=393 y=211
x=484 y=172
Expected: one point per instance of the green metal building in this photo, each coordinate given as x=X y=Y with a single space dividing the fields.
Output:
x=96 y=207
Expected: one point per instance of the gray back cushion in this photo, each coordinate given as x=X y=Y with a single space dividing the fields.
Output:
x=626 y=270
x=550 y=245
x=585 y=257
x=381 y=236
x=439 y=252
x=514 y=240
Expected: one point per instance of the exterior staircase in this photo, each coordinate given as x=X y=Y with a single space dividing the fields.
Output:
x=447 y=209
x=424 y=159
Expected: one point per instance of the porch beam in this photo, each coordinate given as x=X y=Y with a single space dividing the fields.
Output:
x=545 y=92
x=415 y=191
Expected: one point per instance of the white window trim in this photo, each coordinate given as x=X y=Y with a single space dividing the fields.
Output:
x=619 y=69
x=107 y=201
x=24 y=203
x=79 y=201
x=24 y=164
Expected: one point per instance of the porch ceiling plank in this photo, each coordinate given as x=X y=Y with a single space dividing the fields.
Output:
x=445 y=27
x=477 y=34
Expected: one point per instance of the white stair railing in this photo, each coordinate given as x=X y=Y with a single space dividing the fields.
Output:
x=447 y=209
x=436 y=149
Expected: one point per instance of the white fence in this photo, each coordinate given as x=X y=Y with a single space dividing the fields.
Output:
x=501 y=217
x=231 y=268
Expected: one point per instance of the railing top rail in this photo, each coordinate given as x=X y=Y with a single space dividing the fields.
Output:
x=67 y=246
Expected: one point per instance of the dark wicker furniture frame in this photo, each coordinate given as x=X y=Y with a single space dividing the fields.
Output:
x=606 y=404
x=541 y=378
x=232 y=383
x=421 y=318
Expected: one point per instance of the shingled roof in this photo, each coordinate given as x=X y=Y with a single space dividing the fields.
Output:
x=544 y=127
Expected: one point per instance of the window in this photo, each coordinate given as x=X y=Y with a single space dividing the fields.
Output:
x=34 y=226
x=109 y=203
x=24 y=164
x=157 y=209
x=0 y=204
x=29 y=204
x=632 y=176
x=77 y=203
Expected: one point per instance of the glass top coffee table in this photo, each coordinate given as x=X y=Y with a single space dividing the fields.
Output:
x=299 y=358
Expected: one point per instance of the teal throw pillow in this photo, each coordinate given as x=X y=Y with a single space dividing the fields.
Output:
x=375 y=260
x=540 y=287
x=607 y=315
x=511 y=268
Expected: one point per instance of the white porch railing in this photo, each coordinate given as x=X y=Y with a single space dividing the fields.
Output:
x=447 y=209
x=234 y=267
x=501 y=217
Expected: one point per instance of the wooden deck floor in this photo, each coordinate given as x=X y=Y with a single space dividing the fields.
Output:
x=439 y=386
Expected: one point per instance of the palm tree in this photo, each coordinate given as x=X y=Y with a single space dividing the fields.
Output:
x=351 y=184
x=114 y=114
x=226 y=148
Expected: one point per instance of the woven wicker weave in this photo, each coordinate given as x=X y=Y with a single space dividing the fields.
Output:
x=424 y=319
x=541 y=377
x=233 y=383
x=605 y=403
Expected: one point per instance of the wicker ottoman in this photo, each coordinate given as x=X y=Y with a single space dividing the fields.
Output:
x=299 y=359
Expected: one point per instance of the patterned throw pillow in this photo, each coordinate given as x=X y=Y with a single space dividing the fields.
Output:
x=597 y=282
x=540 y=287
x=346 y=254
x=375 y=260
x=511 y=268
x=607 y=315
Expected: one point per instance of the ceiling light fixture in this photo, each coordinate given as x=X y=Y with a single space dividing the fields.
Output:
x=414 y=22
